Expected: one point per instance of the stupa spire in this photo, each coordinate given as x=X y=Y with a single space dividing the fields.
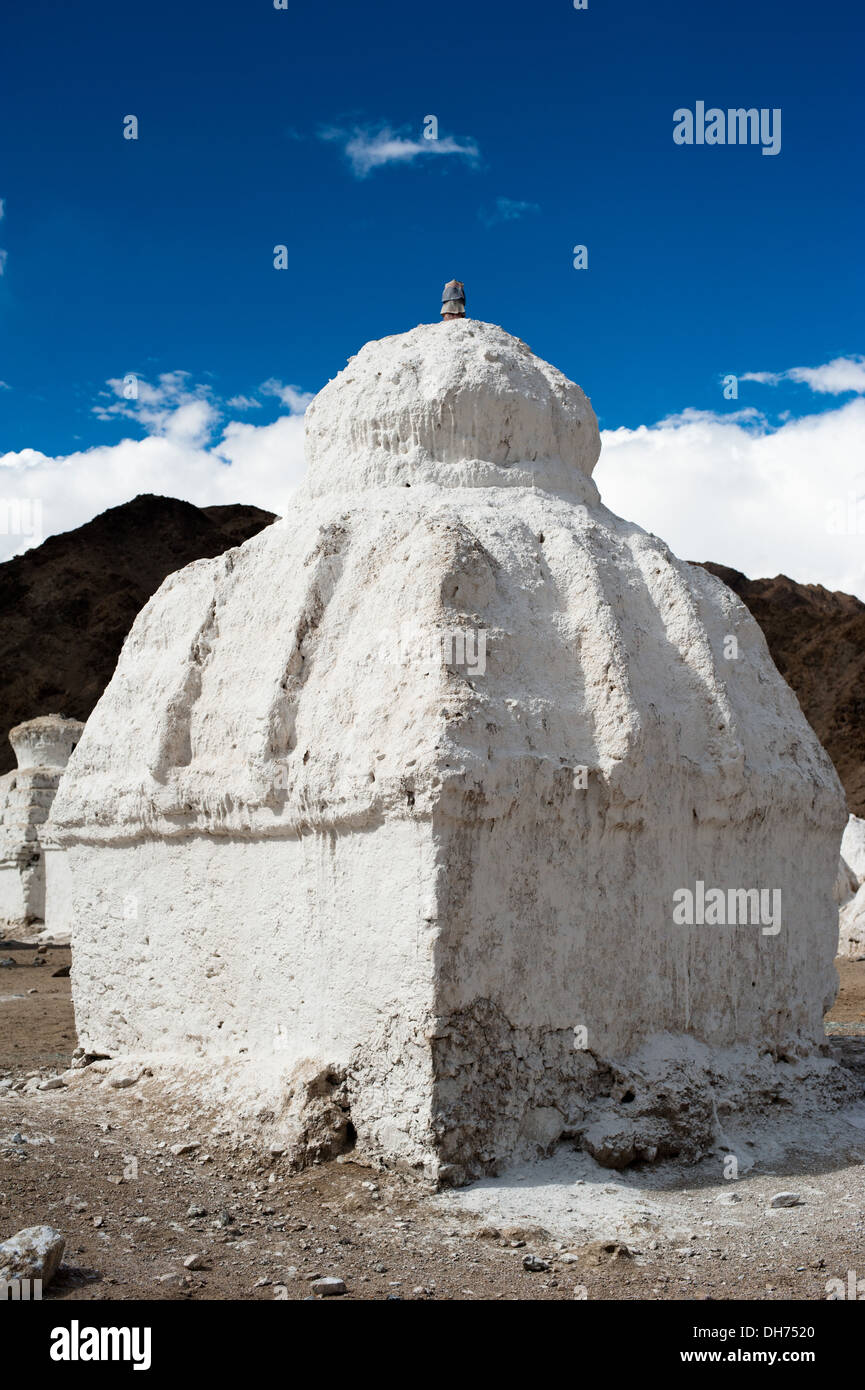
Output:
x=454 y=300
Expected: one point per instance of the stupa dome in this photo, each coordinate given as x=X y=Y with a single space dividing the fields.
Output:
x=460 y=404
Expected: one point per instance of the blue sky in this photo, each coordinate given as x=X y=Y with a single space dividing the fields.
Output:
x=155 y=256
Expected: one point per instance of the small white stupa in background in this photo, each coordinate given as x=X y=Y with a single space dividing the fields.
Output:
x=850 y=889
x=42 y=747
x=454 y=812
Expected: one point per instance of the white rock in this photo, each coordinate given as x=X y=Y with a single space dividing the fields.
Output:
x=851 y=919
x=34 y=1253
x=328 y=1286
x=846 y=884
x=848 y=893
x=853 y=846
x=52 y=1083
x=429 y=882
x=786 y=1199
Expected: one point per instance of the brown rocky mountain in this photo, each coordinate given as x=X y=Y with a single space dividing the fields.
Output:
x=67 y=605
x=817 y=641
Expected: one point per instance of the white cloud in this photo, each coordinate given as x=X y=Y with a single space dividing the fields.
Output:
x=762 y=378
x=170 y=406
x=4 y=255
x=506 y=210
x=748 y=414
x=843 y=374
x=733 y=489
x=372 y=147
x=187 y=452
x=833 y=378
x=292 y=396
x=729 y=487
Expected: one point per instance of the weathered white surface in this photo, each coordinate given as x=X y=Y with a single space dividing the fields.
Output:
x=846 y=883
x=472 y=409
x=295 y=839
x=853 y=846
x=851 y=940
x=849 y=895
x=42 y=747
x=576 y=1200
x=58 y=895
x=34 y=1253
x=12 y=906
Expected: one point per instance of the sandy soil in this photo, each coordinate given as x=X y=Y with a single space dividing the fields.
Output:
x=99 y=1166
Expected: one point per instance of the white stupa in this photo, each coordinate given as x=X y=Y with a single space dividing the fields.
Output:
x=425 y=802
x=42 y=747
x=850 y=889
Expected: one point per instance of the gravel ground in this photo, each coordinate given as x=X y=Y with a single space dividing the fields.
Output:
x=224 y=1222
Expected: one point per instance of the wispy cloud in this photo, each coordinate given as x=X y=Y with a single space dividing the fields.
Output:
x=372 y=147
x=834 y=378
x=169 y=406
x=4 y=255
x=292 y=396
x=749 y=417
x=506 y=210
x=174 y=407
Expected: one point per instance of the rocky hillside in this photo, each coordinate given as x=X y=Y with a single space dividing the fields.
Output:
x=817 y=640
x=67 y=605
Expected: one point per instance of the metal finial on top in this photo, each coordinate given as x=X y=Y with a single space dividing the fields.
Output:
x=454 y=300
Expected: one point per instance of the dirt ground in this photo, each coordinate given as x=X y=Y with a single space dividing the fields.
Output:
x=225 y=1222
